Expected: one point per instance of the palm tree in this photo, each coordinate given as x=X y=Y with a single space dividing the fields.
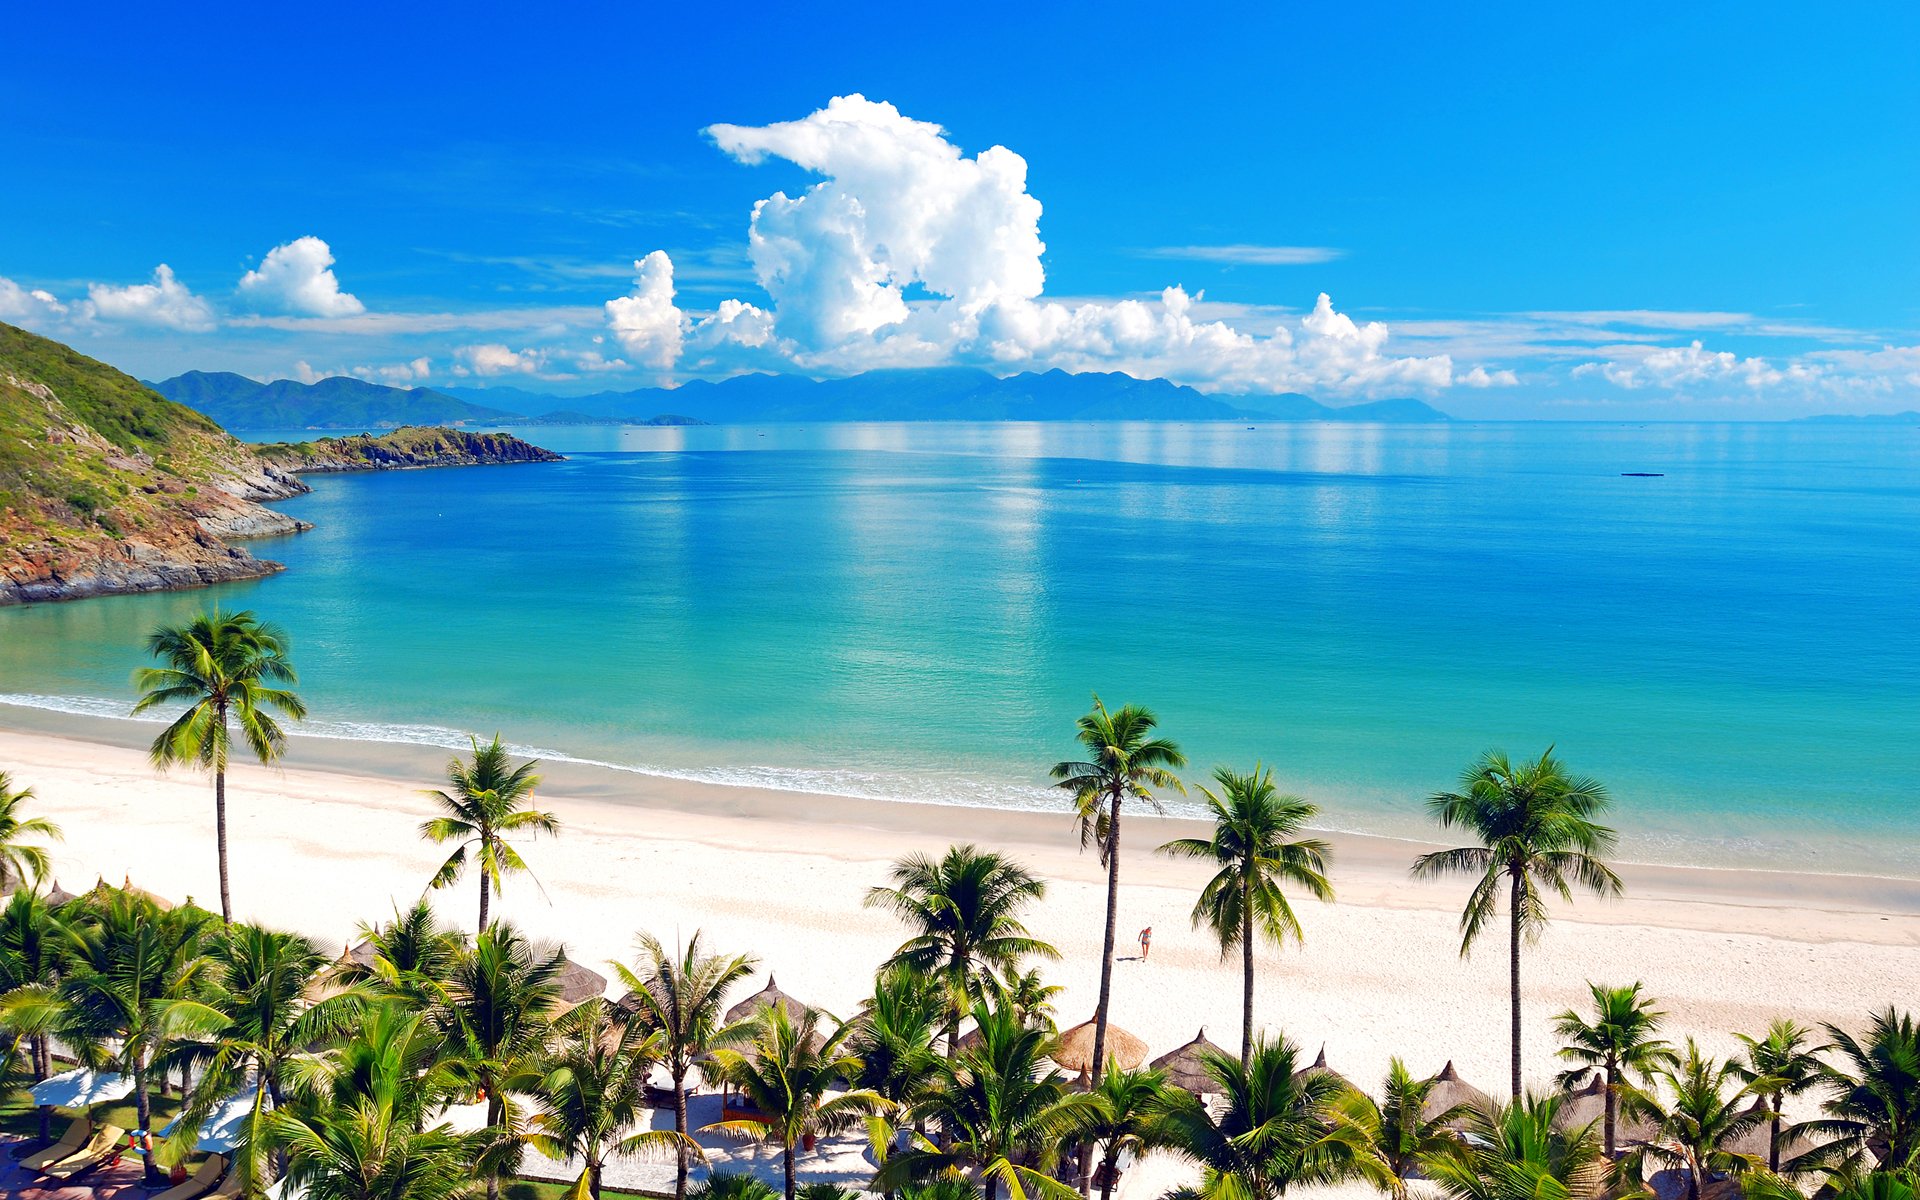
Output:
x=357 y=1124
x=1617 y=1042
x=1841 y=1183
x=894 y=1036
x=593 y=1092
x=1125 y=1120
x=1253 y=831
x=1873 y=1105
x=132 y=990
x=1696 y=1131
x=487 y=801
x=31 y=941
x=787 y=1076
x=1536 y=828
x=1028 y=995
x=500 y=1001
x=21 y=865
x=412 y=957
x=1783 y=1063
x=1273 y=1131
x=225 y=667
x=1517 y=1152
x=964 y=908
x=682 y=1000
x=1124 y=760
x=1003 y=1113
x=1397 y=1128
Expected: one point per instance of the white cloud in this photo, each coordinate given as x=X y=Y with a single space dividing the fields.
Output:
x=166 y=302
x=493 y=358
x=30 y=308
x=406 y=374
x=1480 y=377
x=1245 y=255
x=1691 y=366
x=297 y=278
x=645 y=321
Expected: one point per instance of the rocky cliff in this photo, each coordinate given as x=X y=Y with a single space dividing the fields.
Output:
x=106 y=486
x=404 y=448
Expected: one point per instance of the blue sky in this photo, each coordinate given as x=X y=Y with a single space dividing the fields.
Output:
x=1513 y=210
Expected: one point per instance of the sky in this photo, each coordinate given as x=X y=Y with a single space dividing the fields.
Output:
x=1620 y=211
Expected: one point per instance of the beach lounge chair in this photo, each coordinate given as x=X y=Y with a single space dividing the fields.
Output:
x=70 y=1141
x=198 y=1184
x=99 y=1148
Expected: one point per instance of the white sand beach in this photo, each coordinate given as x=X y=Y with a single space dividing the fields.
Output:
x=329 y=841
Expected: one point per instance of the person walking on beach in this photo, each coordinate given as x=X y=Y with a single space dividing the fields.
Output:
x=1146 y=942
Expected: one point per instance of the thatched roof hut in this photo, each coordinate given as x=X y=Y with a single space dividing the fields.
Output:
x=1588 y=1105
x=57 y=895
x=1187 y=1069
x=769 y=997
x=1451 y=1091
x=1074 y=1049
x=579 y=984
x=1319 y=1067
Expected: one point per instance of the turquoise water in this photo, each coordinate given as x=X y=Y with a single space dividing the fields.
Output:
x=920 y=611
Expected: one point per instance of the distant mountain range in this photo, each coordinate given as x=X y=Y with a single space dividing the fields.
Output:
x=1899 y=418
x=932 y=394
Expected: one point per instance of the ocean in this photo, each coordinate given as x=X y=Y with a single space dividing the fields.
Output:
x=918 y=612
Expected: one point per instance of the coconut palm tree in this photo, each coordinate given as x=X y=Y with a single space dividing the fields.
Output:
x=31 y=960
x=1536 y=826
x=1274 y=1130
x=964 y=908
x=1784 y=1062
x=1873 y=1104
x=1396 y=1127
x=21 y=864
x=485 y=801
x=360 y=1123
x=132 y=990
x=1003 y=1112
x=226 y=667
x=501 y=999
x=1028 y=995
x=786 y=1075
x=894 y=1036
x=1618 y=1042
x=682 y=998
x=411 y=957
x=1125 y=1120
x=1124 y=761
x=1517 y=1152
x=592 y=1091
x=1838 y=1183
x=1696 y=1130
x=1255 y=846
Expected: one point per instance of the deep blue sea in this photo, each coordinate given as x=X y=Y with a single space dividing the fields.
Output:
x=920 y=612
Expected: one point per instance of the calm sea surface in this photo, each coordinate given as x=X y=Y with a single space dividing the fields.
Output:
x=920 y=611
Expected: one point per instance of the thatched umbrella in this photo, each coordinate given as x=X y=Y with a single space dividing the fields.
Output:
x=1186 y=1069
x=1451 y=1091
x=360 y=955
x=101 y=889
x=57 y=895
x=1319 y=1067
x=1074 y=1049
x=579 y=984
x=769 y=997
x=1759 y=1140
x=1588 y=1106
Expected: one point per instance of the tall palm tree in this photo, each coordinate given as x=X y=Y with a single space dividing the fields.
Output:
x=411 y=957
x=21 y=864
x=1003 y=1111
x=1518 y=1152
x=1397 y=1128
x=132 y=990
x=682 y=999
x=361 y=1119
x=592 y=1092
x=1274 y=1129
x=498 y=1016
x=227 y=668
x=1126 y=1119
x=1619 y=1041
x=964 y=908
x=1255 y=846
x=1696 y=1130
x=31 y=961
x=1783 y=1062
x=787 y=1074
x=1124 y=761
x=1873 y=1104
x=1536 y=826
x=486 y=801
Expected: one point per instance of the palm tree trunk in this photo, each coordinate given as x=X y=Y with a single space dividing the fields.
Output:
x=1773 y=1138
x=1513 y=975
x=1106 y=957
x=496 y=1116
x=1108 y=1165
x=1613 y=1105
x=143 y=1112
x=483 y=903
x=220 y=836
x=786 y=1167
x=42 y=1067
x=593 y=1179
x=1246 y=961
x=680 y=1127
